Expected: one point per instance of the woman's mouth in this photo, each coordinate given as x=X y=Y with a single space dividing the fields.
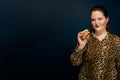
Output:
x=96 y=26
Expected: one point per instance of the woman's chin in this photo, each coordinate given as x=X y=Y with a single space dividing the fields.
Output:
x=98 y=30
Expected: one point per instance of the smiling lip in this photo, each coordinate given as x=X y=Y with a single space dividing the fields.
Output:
x=96 y=26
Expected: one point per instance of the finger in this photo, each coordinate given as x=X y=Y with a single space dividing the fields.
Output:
x=79 y=34
x=88 y=36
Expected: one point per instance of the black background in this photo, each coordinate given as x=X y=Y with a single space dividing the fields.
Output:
x=37 y=37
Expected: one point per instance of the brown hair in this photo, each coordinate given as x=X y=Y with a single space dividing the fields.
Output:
x=104 y=11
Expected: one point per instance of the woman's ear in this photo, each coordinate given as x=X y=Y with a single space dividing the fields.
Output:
x=107 y=19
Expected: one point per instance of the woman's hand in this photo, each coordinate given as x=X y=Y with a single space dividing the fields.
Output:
x=82 y=42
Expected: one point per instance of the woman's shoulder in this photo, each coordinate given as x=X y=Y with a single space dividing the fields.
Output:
x=116 y=38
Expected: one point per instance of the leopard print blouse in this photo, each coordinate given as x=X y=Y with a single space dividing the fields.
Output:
x=99 y=60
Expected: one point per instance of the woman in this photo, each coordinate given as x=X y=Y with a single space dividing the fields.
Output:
x=99 y=53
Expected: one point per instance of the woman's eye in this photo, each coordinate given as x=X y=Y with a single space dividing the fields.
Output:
x=99 y=18
x=92 y=19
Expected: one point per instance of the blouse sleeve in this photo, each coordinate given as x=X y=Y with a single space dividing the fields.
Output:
x=76 y=56
x=118 y=59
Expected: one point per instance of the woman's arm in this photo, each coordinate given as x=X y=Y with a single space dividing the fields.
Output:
x=118 y=57
x=76 y=56
x=118 y=64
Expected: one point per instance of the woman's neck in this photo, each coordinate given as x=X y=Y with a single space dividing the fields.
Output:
x=101 y=35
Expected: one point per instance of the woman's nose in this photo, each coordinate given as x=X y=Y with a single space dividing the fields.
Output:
x=96 y=22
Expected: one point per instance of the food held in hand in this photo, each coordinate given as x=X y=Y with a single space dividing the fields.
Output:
x=85 y=33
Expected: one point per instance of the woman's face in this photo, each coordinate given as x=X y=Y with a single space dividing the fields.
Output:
x=98 y=21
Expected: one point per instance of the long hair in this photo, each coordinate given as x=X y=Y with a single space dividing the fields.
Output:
x=105 y=13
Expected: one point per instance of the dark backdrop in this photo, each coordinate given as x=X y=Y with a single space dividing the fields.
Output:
x=37 y=37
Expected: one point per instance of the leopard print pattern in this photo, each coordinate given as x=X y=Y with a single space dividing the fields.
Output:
x=100 y=60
